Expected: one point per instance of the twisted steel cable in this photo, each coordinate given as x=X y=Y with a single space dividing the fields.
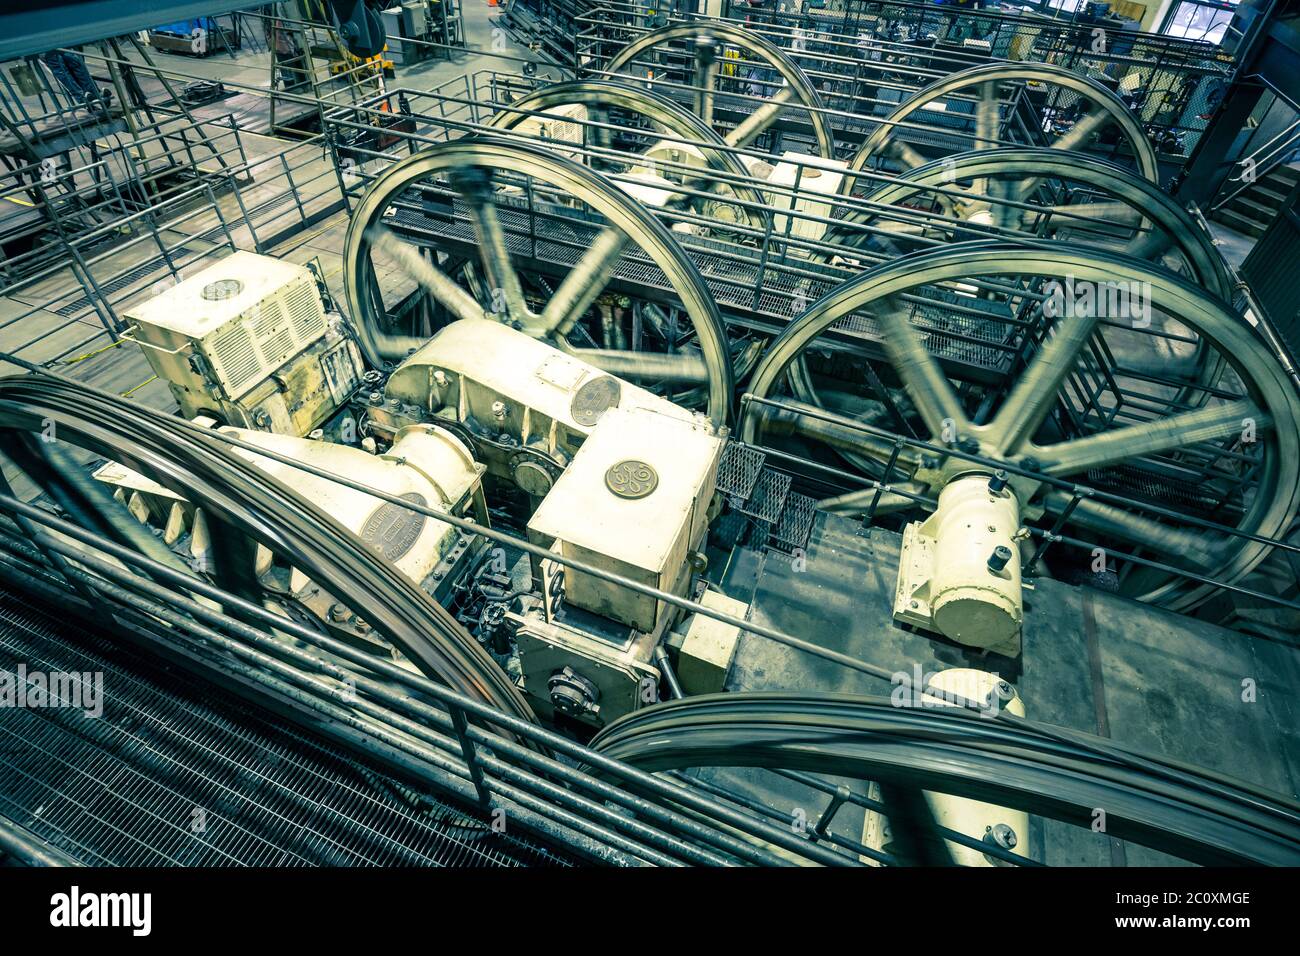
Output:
x=1177 y=808
x=205 y=471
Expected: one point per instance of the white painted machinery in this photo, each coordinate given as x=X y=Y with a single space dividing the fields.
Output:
x=798 y=182
x=425 y=465
x=617 y=477
x=959 y=571
x=247 y=341
x=613 y=476
x=526 y=406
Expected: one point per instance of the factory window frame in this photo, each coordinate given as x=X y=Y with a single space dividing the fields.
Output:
x=1199 y=19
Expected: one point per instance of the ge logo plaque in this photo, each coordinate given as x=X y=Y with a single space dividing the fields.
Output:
x=222 y=289
x=631 y=479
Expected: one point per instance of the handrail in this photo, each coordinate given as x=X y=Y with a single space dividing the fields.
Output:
x=1258 y=170
x=456 y=725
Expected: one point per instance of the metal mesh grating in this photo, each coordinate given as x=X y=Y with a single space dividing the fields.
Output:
x=795 y=524
x=768 y=499
x=1130 y=479
x=171 y=774
x=738 y=471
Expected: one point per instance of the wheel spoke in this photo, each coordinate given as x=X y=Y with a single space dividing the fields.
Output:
x=432 y=279
x=812 y=421
x=1112 y=522
x=1077 y=138
x=706 y=78
x=905 y=154
x=903 y=230
x=476 y=186
x=897 y=227
x=1115 y=213
x=921 y=375
x=1083 y=130
x=659 y=366
x=601 y=134
x=585 y=281
x=758 y=121
x=1165 y=434
x=1004 y=215
x=1033 y=396
x=1150 y=245
x=987 y=117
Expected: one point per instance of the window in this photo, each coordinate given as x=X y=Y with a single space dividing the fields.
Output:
x=1199 y=20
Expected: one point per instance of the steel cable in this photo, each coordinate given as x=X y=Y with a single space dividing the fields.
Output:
x=1163 y=804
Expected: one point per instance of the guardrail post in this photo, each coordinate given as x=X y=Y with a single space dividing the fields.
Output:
x=469 y=751
x=883 y=483
x=838 y=799
x=1054 y=535
x=293 y=189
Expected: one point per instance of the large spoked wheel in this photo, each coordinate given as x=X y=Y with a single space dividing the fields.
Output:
x=1082 y=199
x=476 y=190
x=667 y=156
x=714 y=73
x=984 y=90
x=1067 y=406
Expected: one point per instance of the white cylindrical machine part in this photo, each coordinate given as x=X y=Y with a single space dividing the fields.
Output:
x=439 y=456
x=972 y=600
x=425 y=465
x=1006 y=828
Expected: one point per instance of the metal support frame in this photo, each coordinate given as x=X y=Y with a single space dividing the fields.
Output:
x=1175 y=75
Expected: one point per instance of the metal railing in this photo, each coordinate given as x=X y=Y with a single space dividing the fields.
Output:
x=891 y=48
x=536 y=778
x=265 y=199
x=132 y=175
x=803 y=240
x=1258 y=164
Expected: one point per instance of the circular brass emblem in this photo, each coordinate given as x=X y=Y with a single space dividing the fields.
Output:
x=631 y=479
x=594 y=399
x=222 y=289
